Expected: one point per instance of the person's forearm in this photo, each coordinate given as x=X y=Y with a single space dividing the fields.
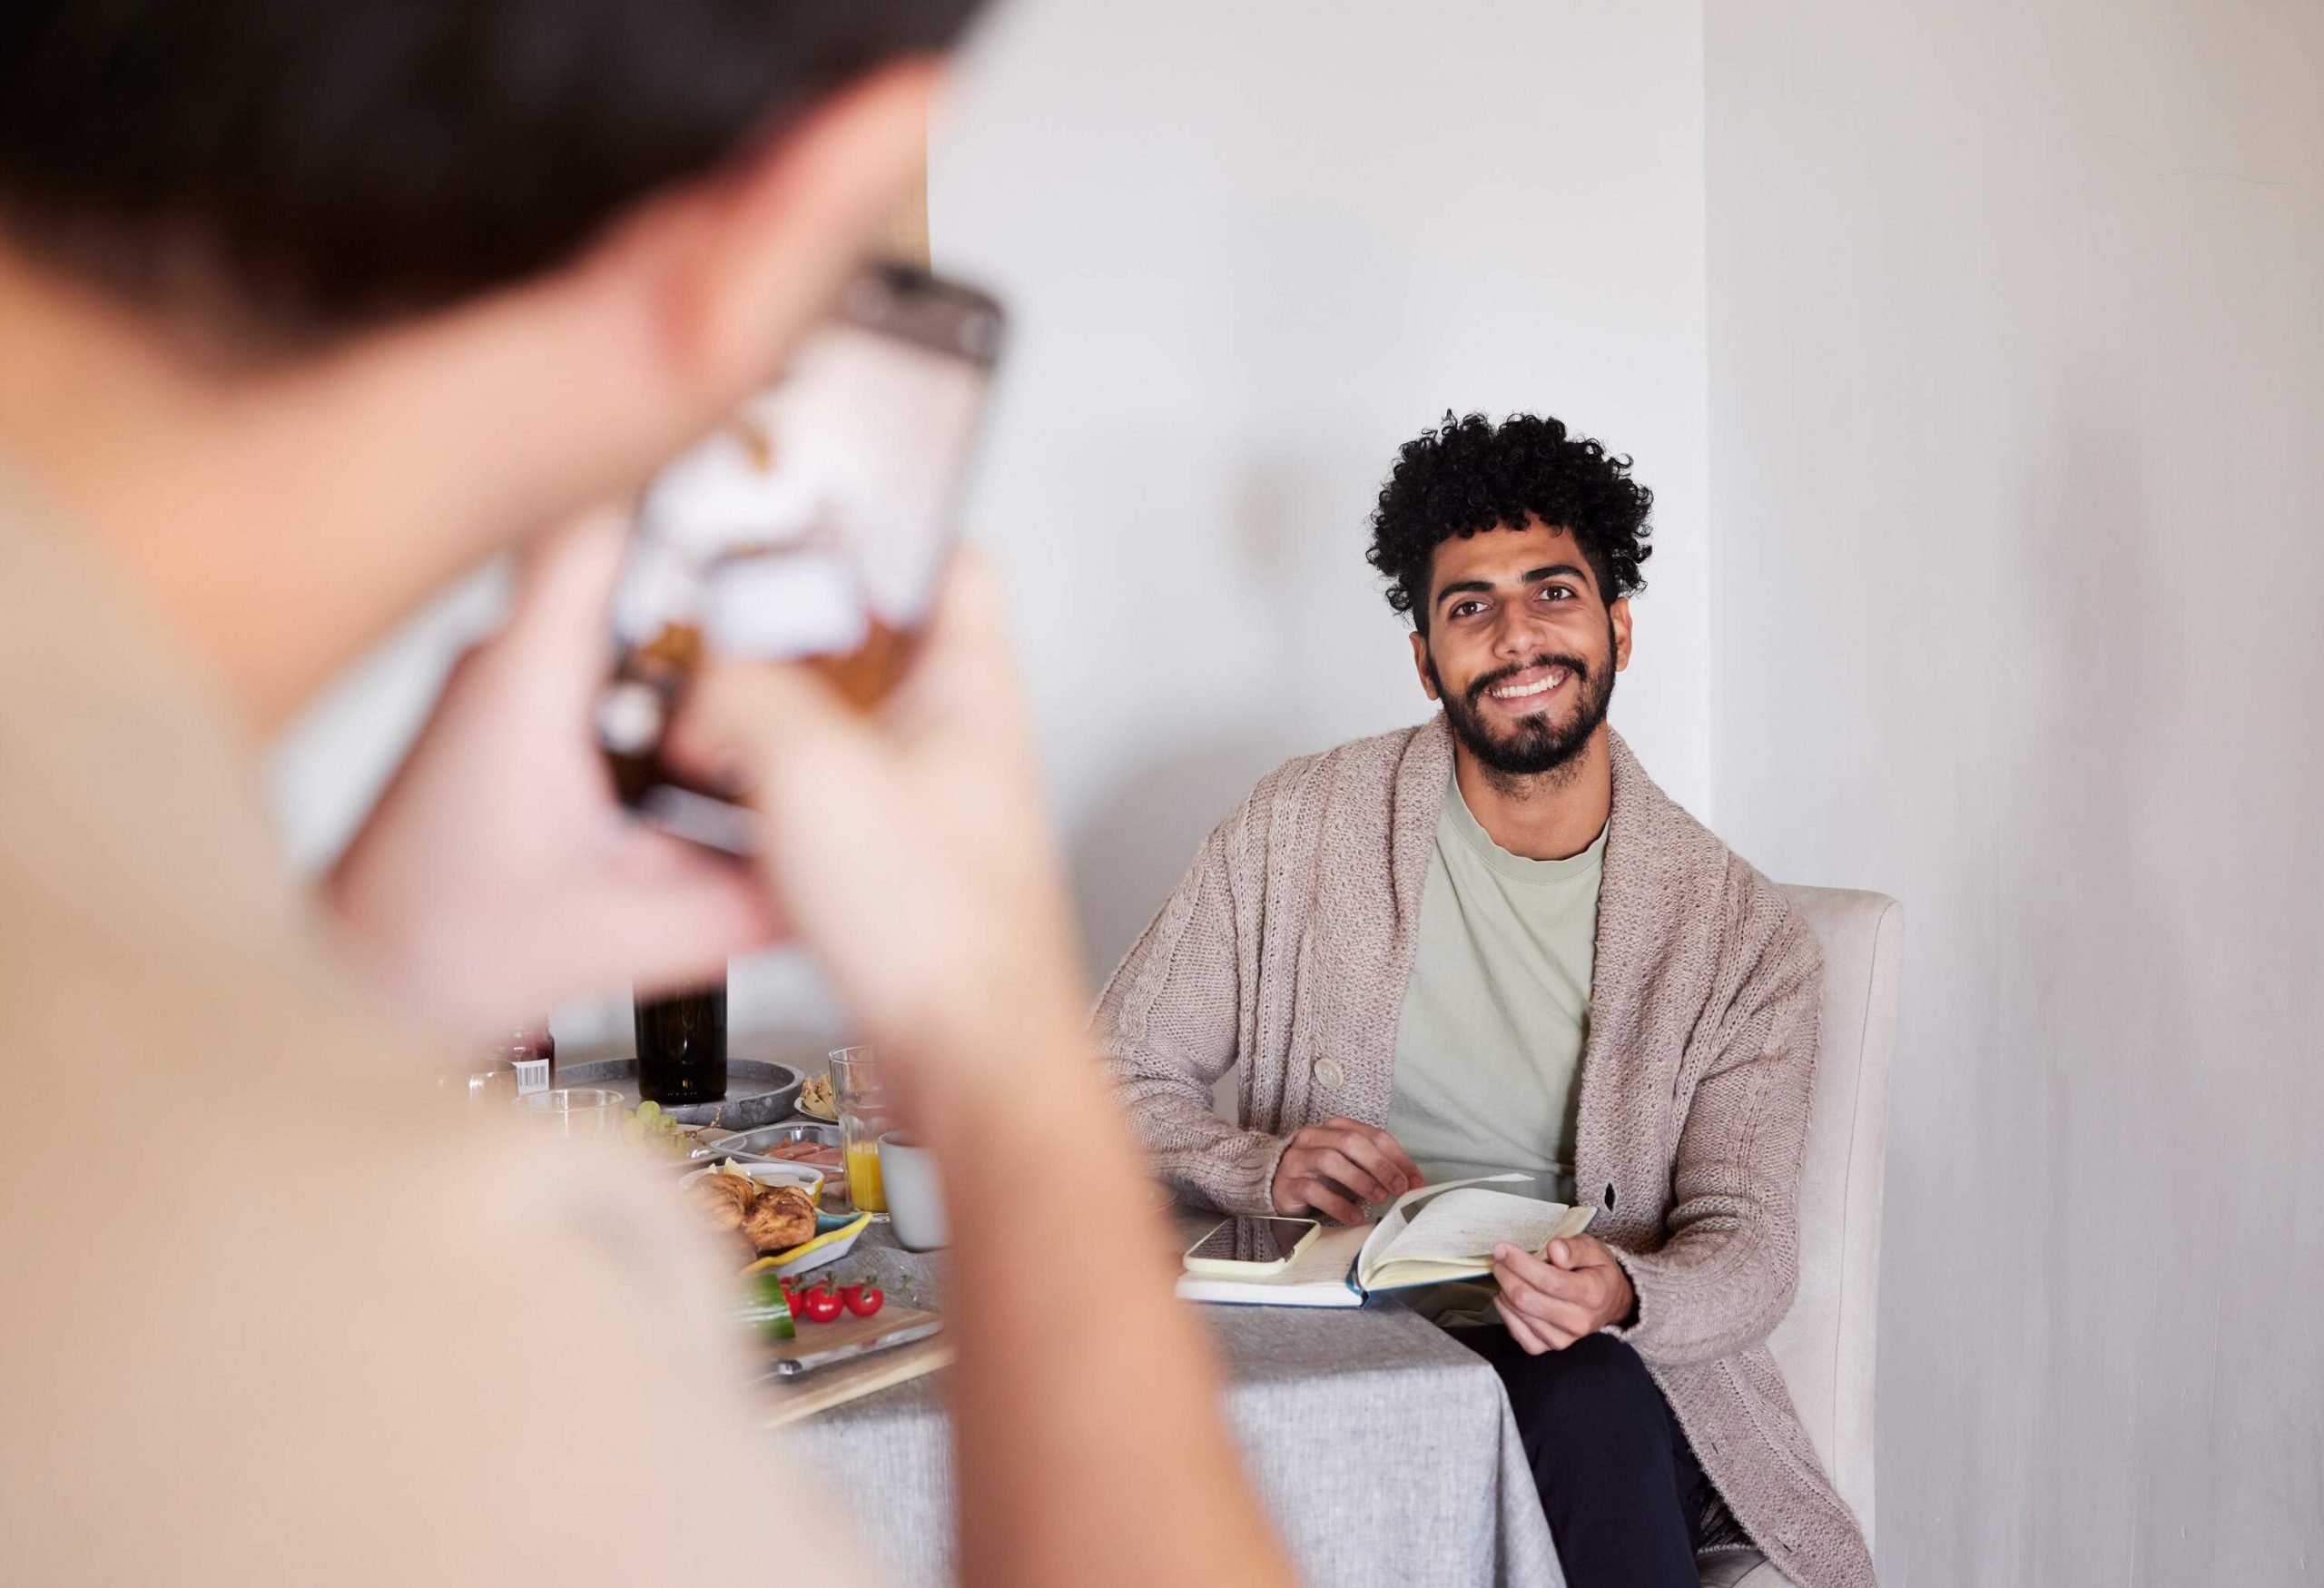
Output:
x=1091 y=1439
x=1725 y=1274
x=1215 y=1163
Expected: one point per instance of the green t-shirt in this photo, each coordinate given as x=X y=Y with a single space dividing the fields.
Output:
x=1489 y=1047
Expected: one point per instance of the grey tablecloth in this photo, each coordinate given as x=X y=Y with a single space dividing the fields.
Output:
x=1385 y=1451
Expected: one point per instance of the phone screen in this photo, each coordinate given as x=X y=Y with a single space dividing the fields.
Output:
x=1252 y=1241
x=815 y=525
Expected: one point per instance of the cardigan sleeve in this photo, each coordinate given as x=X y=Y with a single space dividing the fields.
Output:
x=1167 y=1026
x=1724 y=1275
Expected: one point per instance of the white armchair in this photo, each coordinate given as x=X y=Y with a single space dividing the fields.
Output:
x=1824 y=1346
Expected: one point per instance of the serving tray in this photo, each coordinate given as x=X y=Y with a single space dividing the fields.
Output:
x=757 y=1092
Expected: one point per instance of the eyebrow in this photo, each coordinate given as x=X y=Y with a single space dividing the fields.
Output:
x=1530 y=577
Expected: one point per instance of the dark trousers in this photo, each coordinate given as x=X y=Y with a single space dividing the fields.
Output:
x=1618 y=1481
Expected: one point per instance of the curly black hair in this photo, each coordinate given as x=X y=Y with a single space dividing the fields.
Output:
x=1470 y=474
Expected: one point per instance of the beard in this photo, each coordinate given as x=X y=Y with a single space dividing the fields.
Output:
x=1537 y=743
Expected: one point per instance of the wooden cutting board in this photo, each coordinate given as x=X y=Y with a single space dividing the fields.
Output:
x=853 y=1379
x=852 y=1356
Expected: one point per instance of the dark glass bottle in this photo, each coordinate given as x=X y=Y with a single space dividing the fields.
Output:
x=682 y=1048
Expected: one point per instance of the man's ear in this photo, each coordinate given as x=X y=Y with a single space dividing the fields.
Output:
x=746 y=260
x=1618 y=618
x=1420 y=664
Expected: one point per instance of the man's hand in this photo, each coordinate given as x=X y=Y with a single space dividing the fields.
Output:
x=1340 y=1167
x=1548 y=1304
x=497 y=875
x=910 y=846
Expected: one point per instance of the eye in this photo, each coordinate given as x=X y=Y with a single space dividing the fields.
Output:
x=1463 y=609
x=1557 y=592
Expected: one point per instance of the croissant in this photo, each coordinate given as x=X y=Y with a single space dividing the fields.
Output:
x=783 y=1216
x=724 y=1199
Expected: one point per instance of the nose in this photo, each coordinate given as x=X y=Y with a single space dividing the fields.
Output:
x=1518 y=632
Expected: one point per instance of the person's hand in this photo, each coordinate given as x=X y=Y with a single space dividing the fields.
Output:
x=1550 y=1304
x=910 y=847
x=1340 y=1167
x=497 y=875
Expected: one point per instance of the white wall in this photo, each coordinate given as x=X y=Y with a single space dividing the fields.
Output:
x=2016 y=388
x=1252 y=250
x=331 y=762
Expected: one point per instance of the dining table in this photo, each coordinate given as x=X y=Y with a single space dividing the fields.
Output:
x=1385 y=1450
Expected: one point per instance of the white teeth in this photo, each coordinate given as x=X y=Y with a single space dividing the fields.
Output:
x=1541 y=685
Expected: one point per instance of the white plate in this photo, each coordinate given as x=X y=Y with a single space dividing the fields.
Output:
x=769 y=1174
x=854 y=1224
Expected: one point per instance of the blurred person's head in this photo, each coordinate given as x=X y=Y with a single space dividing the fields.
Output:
x=306 y=304
x=1514 y=548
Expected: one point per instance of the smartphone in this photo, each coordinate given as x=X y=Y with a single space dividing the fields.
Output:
x=1250 y=1246
x=814 y=525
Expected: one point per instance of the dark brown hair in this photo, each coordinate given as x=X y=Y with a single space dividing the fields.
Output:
x=314 y=166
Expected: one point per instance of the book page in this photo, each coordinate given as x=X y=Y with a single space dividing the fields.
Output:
x=1405 y=1209
x=1462 y=1227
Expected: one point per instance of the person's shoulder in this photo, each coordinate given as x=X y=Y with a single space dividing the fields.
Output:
x=1347 y=794
x=440 y=1283
x=1764 y=925
x=1757 y=914
x=1370 y=764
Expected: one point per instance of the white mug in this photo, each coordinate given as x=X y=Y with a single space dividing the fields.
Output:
x=915 y=1193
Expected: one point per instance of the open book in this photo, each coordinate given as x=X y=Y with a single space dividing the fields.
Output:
x=1427 y=1236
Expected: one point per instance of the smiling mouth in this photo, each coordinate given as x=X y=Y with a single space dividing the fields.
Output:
x=1528 y=684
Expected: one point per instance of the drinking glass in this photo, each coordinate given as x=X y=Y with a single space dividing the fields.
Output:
x=577 y=1110
x=862 y=1100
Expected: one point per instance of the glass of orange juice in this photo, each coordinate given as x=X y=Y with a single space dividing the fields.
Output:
x=863 y=1103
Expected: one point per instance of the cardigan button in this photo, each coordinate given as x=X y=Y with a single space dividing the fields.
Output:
x=1328 y=1074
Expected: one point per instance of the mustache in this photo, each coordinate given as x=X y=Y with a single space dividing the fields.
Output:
x=1571 y=663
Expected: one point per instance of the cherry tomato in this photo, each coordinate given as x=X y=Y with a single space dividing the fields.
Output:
x=863 y=1300
x=794 y=1298
x=820 y=1305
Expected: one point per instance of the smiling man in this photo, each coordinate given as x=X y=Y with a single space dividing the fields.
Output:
x=1490 y=942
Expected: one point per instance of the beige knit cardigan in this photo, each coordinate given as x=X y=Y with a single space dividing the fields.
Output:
x=1288 y=946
